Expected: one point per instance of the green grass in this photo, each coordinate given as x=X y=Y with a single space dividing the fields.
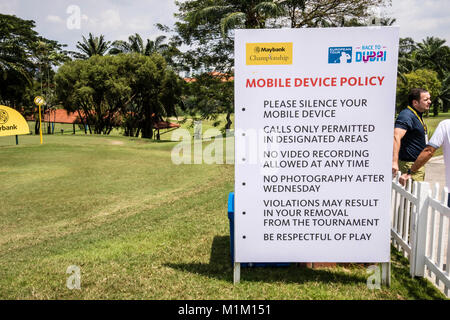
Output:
x=140 y=227
x=188 y=124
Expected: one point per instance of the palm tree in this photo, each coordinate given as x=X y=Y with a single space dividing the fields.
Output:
x=92 y=46
x=434 y=55
x=248 y=14
x=443 y=98
x=156 y=46
x=136 y=44
x=387 y=21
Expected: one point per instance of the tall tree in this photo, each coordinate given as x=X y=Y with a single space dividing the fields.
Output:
x=210 y=95
x=102 y=89
x=17 y=39
x=47 y=54
x=207 y=24
x=421 y=78
x=407 y=61
x=92 y=46
x=325 y=13
x=207 y=27
x=443 y=97
x=434 y=55
x=26 y=63
x=156 y=91
x=136 y=44
x=169 y=51
x=96 y=88
x=431 y=54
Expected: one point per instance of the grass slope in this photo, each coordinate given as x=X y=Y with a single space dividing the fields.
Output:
x=140 y=227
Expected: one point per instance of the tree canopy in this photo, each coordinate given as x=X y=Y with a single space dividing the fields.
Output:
x=92 y=46
x=208 y=25
x=105 y=89
x=209 y=95
x=431 y=56
x=25 y=57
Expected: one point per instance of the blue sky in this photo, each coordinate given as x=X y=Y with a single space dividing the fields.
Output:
x=117 y=19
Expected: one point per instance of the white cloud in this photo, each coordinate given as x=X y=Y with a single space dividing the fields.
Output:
x=54 y=19
x=139 y=24
x=110 y=20
x=8 y=7
x=420 y=19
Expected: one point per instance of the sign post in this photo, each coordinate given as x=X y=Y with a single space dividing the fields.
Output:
x=314 y=122
x=39 y=101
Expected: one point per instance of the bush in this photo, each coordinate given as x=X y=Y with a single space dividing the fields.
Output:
x=421 y=78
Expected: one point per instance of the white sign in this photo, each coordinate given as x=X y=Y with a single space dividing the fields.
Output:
x=314 y=124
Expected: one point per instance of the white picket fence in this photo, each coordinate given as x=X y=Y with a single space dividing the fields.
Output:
x=420 y=229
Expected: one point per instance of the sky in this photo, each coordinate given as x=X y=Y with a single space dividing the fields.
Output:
x=67 y=20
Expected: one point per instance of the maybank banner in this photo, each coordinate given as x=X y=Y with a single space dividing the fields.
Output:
x=273 y=53
x=314 y=110
x=12 y=122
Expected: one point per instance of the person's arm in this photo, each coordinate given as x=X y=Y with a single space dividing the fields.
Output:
x=423 y=158
x=399 y=133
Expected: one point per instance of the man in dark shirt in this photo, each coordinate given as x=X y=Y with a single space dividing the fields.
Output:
x=410 y=134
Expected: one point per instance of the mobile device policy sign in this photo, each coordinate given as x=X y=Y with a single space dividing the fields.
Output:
x=314 y=112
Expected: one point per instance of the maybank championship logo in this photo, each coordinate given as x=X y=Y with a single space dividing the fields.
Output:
x=274 y=53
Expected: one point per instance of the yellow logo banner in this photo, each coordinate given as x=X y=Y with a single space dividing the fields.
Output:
x=12 y=122
x=274 y=53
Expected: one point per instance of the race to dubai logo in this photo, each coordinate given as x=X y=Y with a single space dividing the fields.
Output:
x=364 y=53
x=3 y=116
x=370 y=53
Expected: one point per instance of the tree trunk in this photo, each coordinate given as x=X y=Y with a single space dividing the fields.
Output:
x=229 y=122
x=147 y=130
x=436 y=109
x=82 y=122
x=36 y=127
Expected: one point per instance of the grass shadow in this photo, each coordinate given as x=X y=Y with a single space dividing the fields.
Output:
x=220 y=268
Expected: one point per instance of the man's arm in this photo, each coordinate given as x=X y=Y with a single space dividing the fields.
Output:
x=423 y=158
x=399 y=133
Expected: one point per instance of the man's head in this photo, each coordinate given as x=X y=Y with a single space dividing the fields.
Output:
x=419 y=99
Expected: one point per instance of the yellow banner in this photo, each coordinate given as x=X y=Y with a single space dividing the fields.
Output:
x=274 y=53
x=12 y=122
